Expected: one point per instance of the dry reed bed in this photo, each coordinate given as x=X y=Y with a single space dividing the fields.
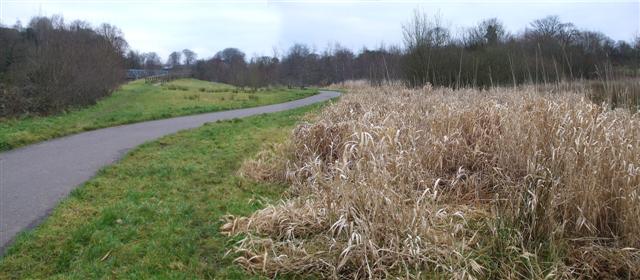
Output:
x=392 y=182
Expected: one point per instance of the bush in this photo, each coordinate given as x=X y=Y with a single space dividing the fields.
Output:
x=49 y=66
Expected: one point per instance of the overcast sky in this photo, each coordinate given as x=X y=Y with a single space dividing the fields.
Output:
x=257 y=27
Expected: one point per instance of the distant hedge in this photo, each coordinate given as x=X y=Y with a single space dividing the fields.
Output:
x=50 y=66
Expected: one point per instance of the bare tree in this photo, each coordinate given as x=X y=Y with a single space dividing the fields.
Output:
x=262 y=71
x=552 y=28
x=421 y=36
x=78 y=25
x=343 y=63
x=114 y=35
x=134 y=60
x=233 y=61
x=489 y=32
x=424 y=32
x=295 y=65
x=152 y=60
x=189 y=57
x=174 y=59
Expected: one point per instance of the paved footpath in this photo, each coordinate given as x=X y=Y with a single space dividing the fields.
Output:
x=33 y=179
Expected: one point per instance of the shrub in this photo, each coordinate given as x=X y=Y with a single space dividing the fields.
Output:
x=50 y=66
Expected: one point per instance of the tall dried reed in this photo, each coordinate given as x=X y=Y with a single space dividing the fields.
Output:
x=393 y=182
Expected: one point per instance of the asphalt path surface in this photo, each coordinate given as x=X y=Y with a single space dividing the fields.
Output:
x=33 y=179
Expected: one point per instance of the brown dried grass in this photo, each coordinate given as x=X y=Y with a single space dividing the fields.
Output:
x=394 y=182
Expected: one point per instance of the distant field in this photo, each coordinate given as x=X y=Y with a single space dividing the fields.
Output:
x=138 y=101
x=156 y=213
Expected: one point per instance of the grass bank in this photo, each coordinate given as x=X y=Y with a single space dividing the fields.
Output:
x=156 y=213
x=138 y=101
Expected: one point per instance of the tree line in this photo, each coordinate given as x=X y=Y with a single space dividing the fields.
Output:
x=300 y=66
x=49 y=65
x=547 y=51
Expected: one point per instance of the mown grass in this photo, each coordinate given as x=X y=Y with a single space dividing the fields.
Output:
x=156 y=214
x=138 y=101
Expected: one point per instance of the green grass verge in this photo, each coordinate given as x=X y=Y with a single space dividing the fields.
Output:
x=138 y=101
x=156 y=214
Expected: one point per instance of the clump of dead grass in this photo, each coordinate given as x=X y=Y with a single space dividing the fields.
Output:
x=393 y=182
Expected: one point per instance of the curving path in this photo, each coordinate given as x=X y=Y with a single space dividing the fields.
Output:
x=33 y=179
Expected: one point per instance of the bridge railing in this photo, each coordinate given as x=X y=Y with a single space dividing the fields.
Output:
x=134 y=74
x=167 y=77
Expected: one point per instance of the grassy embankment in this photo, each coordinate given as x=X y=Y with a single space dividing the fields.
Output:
x=156 y=214
x=138 y=101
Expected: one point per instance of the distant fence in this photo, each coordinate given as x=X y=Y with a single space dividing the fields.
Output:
x=157 y=76
x=167 y=77
x=134 y=74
